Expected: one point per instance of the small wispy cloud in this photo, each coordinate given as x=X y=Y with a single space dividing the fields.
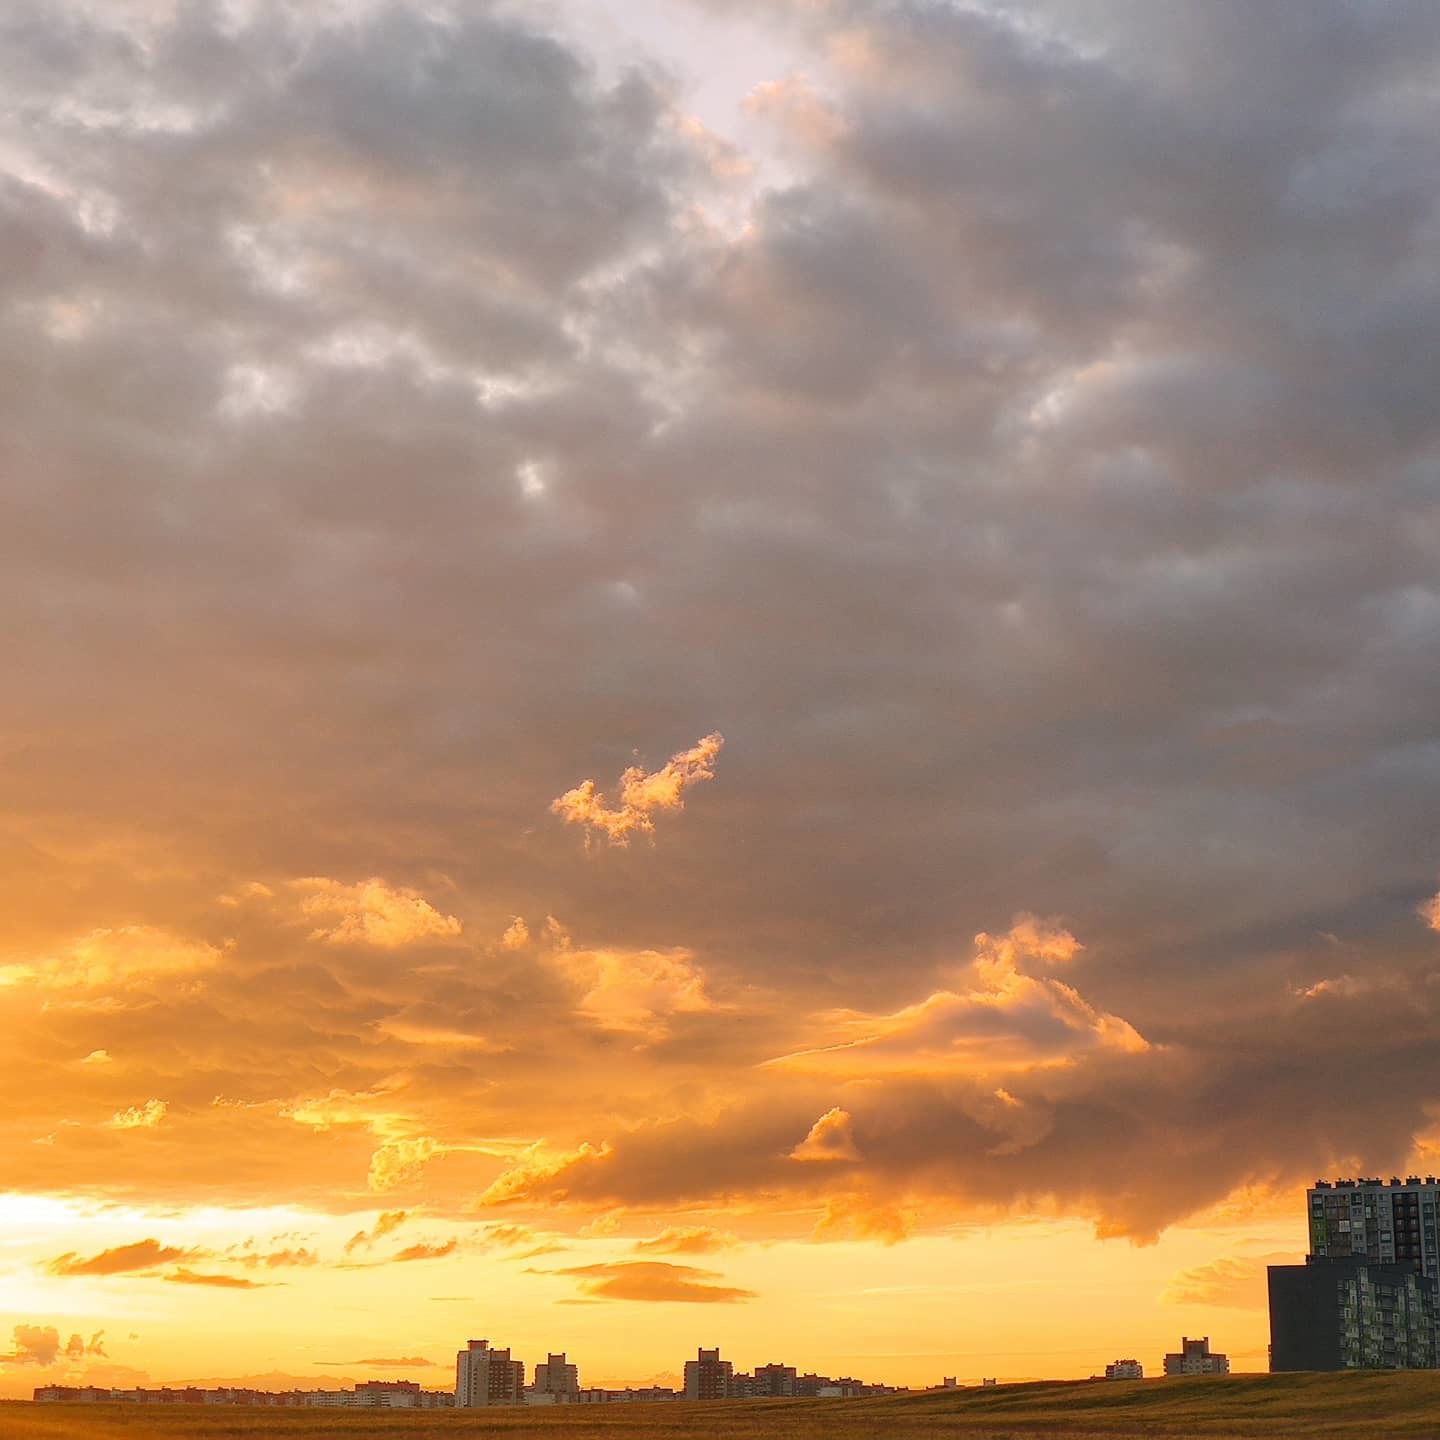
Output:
x=641 y=794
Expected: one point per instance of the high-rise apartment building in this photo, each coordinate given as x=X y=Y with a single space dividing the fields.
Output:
x=1352 y=1314
x=556 y=1377
x=708 y=1377
x=1368 y=1295
x=488 y=1377
x=1385 y=1223
x=1195 y=1357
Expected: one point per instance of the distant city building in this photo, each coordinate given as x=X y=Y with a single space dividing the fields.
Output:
x=768 y=1382
x=1353 y=1314
x=487 y=1377
x=1125 y=1370
x=1377 y=1221
x=371 y=1394
x=644 y=1394
x=949 y=1383
x=557 y=1377
x=708 y=1377
x=1196 y=1358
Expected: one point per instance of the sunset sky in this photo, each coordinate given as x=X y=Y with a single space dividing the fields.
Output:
x=743 y=672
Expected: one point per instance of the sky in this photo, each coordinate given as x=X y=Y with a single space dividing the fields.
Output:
x=707 y=672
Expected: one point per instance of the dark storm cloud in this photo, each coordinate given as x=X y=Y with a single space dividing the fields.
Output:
x=1041 y=495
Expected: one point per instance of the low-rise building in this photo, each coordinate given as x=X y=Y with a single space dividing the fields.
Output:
x=1124 y=1370
x=371 y=1394
x=1195 y=1357
x=597 y=1395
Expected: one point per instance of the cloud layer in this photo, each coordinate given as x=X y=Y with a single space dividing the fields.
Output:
x=1029 y=465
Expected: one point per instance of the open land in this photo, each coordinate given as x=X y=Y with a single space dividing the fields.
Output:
x=1376 y=1405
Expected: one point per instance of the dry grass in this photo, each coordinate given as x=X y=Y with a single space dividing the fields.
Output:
x=1377 y=1406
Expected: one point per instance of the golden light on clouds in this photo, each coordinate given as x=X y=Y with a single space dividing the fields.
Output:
x=641 y=793
x=1051 y=590
x=370 y=913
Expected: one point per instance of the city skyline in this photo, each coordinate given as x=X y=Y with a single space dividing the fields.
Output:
x=761 y=670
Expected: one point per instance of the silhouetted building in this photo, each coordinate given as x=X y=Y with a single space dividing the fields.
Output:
x=597 y=1395
x=707 y=1377
x=1196 y=1358
x=768 y=1382
x=1125 y=1370
x=1379 y=1222
x=556 y=1377
x=488 y=1377
x=1352 y=1314
x=370 y=1394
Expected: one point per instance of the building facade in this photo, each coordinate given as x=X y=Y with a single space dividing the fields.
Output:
x=557 y=1377
x=1124 y=1370
x=708 y=1377
x=1382 y=1222
x=769 y=1382
x=1195 y=1357
x=1353 y=1314
x=487 y=1377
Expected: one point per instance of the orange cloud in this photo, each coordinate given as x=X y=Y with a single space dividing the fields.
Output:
x=1430 y=912
x=140 y=1117
x=1232 y=1282
x=371 y=912
x=1005 y=1020
x=860 y=1217
x=399 y=1162
x=218 y=1282
x=655 y=1281
x=535 y=1172
x=108 y=957
x=634 y=991
x=388 y=1222
x=426 y=1252
x=402 y=1362
x=831 y=1137
x=641 y=794
x=687 y=1240
x=277 y=1259
x=123 y=1259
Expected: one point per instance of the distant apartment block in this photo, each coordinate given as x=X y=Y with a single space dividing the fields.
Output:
x=1125 y=1370
x=487 y=1377
x=768 y=1382
x=557 y=1377
x=1196 y=1358
x=645 y=1394
x=1381 y=1222
x=707 y=1377
x=1353 y=1314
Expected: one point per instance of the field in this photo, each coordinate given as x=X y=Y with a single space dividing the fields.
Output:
x=1377 y=1406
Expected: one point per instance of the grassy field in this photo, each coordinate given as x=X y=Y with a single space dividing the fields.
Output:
x=1377 y=1406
